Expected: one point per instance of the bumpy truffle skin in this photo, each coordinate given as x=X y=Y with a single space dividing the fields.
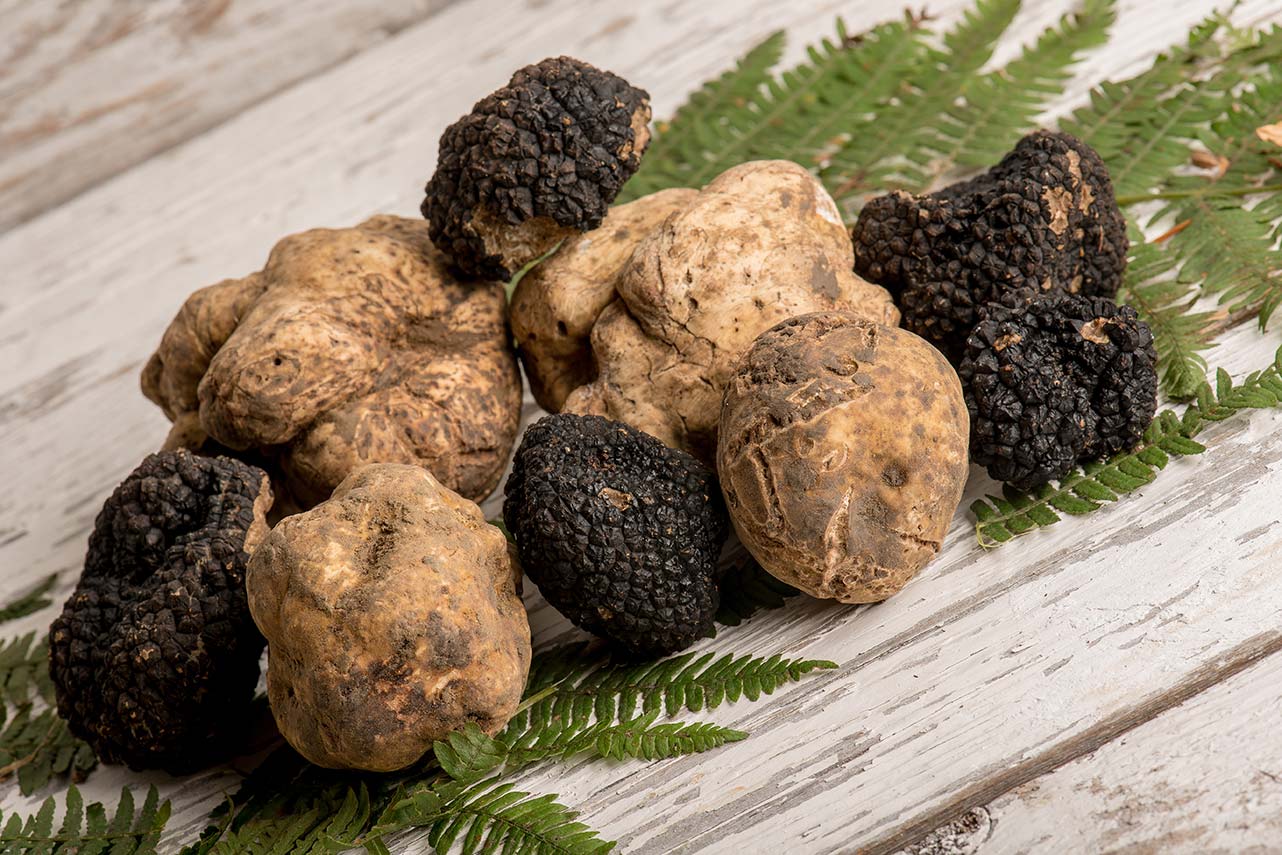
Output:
x=1058 y=381
x=534 y=162
x=1043 y=221
x=555 y=305
x=351 y=346
x=761 y=243
x=392 y=617
x=154 y=658
x=842 y=454
x=620 y=533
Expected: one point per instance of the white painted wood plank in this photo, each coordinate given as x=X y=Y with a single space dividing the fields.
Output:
x=988 y=663
x=1205 y=777
x=90 y=88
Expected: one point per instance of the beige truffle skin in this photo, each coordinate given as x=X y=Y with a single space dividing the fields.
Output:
x=761 y=243
x=556 y=304
x=392 y=619
x=843 y=454
x=351 y=346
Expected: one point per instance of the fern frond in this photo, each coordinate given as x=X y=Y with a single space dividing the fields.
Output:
x=708 y=121
x=30 y=602
x=1165 y=303
x=37 y=747
x=890 y=152
x=746 y=588
x=1002 y=105
x=86 y=830
x=469 y=755
x=1000 y=518
x=617 y=692
x=488 y=817
x=24 y=670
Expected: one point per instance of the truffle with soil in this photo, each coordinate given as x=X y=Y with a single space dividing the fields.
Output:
x=534 y=162
x=1044 y=221
x=154 y=658
x=843 y=454
x=621 y=533
x=393 y=618
x=350 y=346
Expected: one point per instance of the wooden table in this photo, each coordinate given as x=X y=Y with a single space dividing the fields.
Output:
x=1104 y=685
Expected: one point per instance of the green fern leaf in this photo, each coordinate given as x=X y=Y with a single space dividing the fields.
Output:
x=30 y=602
x=708 y=121
x=488 y=817
x=1165 y=304
x=1000 y=106
x=85 y=830
x=24 y=670
x=892 y=151
x=746 y=588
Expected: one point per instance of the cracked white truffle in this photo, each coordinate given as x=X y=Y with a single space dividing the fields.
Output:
x=761 y=243
x=843 y=454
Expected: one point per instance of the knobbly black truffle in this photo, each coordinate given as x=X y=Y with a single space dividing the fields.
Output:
x=620 y=532
x=154 y=659
x=1055 y=382
x=534 y=162
x=1043 y=221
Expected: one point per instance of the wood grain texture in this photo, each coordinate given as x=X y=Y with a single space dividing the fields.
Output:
x=93 y=87
x=1205 y=776
x=988 y=670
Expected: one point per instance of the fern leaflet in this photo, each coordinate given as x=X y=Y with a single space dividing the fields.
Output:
x=86 y=830
x=30 y=602
x=487 y=817
x=1165 y=304
x=1000 y=106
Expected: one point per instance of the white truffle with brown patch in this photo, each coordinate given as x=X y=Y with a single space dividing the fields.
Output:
x=843 y=454
x=761 y=243
x=392 y=618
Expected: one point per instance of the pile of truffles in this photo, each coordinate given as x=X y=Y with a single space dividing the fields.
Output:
x=715 y=359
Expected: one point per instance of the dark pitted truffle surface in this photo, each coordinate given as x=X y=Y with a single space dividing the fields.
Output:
x=620 y=532
x=1055 y=382
x=1043 y=221
x=155 y=657
x=558 y=142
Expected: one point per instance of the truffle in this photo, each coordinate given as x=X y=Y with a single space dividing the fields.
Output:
x=393 y=618
x=1055 y=382
x=842 y=454
x=351 y=346
x=556 y=304
x=621 y=533
x=1043 y=221
x=534 y=162
x=154 y=659
x=761 y=243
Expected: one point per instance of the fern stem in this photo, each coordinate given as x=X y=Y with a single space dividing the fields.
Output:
x=1140 y=198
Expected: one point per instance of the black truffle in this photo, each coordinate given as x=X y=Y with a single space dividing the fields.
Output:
x=154 y=658
x=621 y=533
x=1055 y=382
x=535 y=161
x=1041 y=222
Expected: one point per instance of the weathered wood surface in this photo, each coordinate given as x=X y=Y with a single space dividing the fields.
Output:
x=1203 y=777
x=92 y=87
x=988 y=671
